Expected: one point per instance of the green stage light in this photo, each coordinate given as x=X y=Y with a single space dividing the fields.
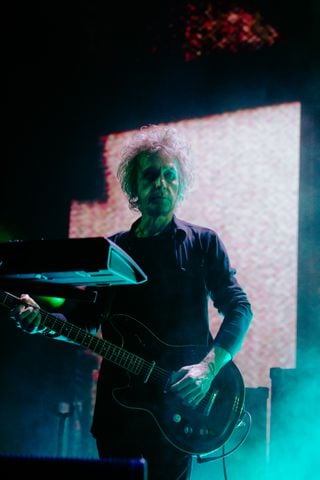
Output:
x=54 y=302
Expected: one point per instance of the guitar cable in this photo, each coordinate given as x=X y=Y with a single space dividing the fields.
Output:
x=247 y=423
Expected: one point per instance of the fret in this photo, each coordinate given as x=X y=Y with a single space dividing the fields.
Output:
x=115 y=354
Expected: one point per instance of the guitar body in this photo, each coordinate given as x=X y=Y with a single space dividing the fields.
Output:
x=198 y=430
x=146 y=364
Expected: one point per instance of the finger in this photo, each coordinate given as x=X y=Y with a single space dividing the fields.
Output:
x=30 y=326
x=27 y=300
x=178 y=375
x=192 y=400
x=185 y=384
x=195 y=401
x=30 y=319
x=28 y=315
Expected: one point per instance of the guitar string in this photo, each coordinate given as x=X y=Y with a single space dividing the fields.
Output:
x=80 y=336
x=60 y=325
x=136 y=365
x=143 y=366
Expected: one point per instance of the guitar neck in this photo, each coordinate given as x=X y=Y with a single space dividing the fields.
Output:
x=115 y=354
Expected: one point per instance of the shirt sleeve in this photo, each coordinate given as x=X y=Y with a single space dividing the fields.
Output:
x=228 y=297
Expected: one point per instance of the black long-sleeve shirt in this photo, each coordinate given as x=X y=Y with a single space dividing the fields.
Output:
x=187 y=265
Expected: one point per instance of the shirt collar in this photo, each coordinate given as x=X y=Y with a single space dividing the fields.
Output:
x=176 y=226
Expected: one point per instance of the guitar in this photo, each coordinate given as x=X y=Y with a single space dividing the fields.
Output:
x=149 y=364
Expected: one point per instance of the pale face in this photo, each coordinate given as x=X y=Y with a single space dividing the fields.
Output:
x=157 y=185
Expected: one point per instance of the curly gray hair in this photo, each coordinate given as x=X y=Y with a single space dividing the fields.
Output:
x=148 y=140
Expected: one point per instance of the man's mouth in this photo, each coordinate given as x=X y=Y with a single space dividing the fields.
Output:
x=158 y=197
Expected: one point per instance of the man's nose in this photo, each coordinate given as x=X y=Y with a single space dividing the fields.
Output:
x=160 y=180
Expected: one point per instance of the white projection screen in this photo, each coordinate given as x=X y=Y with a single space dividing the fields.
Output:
x=246 y=187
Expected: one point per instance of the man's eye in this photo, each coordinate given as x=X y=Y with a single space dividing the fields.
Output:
x=171 y=175
x=150 y=175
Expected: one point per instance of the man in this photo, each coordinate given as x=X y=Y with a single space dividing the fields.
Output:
x=186 y=265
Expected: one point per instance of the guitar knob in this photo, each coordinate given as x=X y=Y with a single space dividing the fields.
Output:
x=187 y=429
x=204 y=431
x=176 y=418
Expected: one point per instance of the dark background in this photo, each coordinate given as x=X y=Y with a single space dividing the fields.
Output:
x=76 y=73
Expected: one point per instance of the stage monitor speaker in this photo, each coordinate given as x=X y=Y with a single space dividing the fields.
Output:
x=110 y=468
x=294 y=429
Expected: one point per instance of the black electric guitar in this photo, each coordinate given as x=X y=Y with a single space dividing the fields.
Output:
x=149 y=363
